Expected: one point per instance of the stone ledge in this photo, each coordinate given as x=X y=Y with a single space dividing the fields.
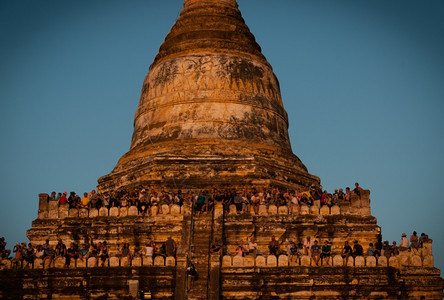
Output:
x=335 y=261
x=92 y=262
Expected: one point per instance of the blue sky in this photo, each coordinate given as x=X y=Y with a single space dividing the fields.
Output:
x=362 y=82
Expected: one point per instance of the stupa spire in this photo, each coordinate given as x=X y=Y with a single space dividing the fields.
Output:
x=210 y=26
x=210 y=111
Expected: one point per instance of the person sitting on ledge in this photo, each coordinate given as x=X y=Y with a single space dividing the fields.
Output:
x=50 y=254
x=255 y=200
x=323 y=199
x=414 y=241
x=39 y=252
x=170 y=247
x=307 y=245
x=346 y=253
x=17 y=260
x=103 y=253
x=404 y=244
x=216 y=248
x=386 y=250
x=347 y=194
x=357 y=249
x=316 y=252
x=72 y=200
x=370 y=250
x=63 y=199
x=60 y=248
x=293 y=252
x=316 y=194
x=28 y=256
x=125 y=251
x=242 y=249
x=306 y=198
x=84 y=252
x=357 y=190
x=237 y=200
x=422 y=239
x=84 y=202
x=341 y=195
x=273 y=246
x=150 y=248
x=252 y=246
x=395 y=250
x=294 y=202
x=326 y=252
x=3 y=251
x=58 y=197
x=94 y=199
x=71 y=253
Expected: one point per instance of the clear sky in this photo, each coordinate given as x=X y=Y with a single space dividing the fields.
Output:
x=362 y=82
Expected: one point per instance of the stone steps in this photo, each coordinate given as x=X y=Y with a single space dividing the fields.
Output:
x=200 y=255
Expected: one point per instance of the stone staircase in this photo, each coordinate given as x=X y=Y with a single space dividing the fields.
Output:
x=200 y=256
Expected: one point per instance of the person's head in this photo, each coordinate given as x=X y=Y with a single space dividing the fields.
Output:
x=347 y=189
x=316 y=242
x=355 y=241
x=325 y=242
x=404 y=235
x=414 y=232
x=85 y=195
x=346 y=243
x=394 y=243
x=356 y=184
x=47 y=241
x=371 y=244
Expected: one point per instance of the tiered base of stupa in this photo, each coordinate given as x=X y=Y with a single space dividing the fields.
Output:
x=197 y=165
x=409 y=275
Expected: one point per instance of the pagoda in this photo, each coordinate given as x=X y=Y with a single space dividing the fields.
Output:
x=210 y=116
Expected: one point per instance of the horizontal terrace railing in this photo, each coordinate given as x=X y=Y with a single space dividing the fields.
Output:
x=399 y=261
x=113 y=261
x=61 y=212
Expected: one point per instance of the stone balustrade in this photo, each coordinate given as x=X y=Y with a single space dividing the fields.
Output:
x=284 y=210
x=92 y=262
x=55 y=211
x=403 y=260
x=359 y=205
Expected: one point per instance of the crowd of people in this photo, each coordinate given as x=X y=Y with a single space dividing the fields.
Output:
x=312 y=248
x=25 y=254
x=243 y=199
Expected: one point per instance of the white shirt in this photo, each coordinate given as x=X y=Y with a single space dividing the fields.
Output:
x=149 y=251
x=404 y=242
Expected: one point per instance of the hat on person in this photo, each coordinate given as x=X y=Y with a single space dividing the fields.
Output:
x=404 y=234
x=65 y=192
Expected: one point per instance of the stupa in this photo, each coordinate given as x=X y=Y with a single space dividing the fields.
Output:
x=211 y=115
x=210 y=112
